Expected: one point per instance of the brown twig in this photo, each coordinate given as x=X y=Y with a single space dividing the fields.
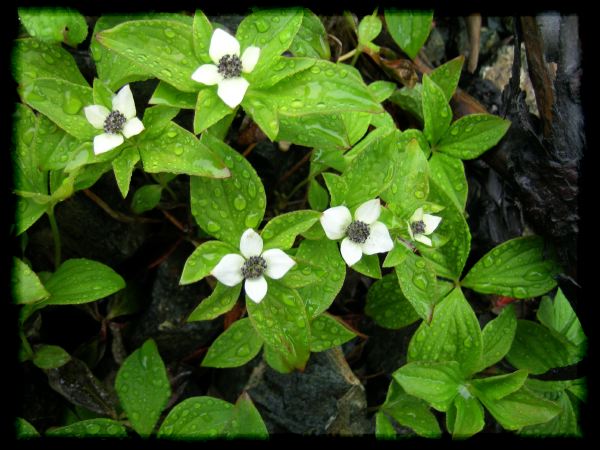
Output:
x=174 y=221
x=119 y=216
x=474 y=32
x=297 y=166
x=166 y=254
x=249 y=149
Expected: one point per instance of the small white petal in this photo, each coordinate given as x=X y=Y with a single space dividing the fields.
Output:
x=351 y=251
x=379 y=240
x=278 y=263
x=431 y=223
x=417 y=216
x=250 y=58
x=105 y=142
x=256 y=288
x=221 y=44
x=123 y=102
x=132 y=127
x=232 y=91
x=251 y=244
x=229 y=269
x=335 y=221
x=423 y=239
x=369 y=211
x=96 y=115
x=207 y=74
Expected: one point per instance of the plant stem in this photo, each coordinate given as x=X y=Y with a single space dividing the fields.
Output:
x=55 y=235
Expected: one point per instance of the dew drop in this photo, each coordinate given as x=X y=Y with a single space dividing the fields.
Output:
x=71 y=104
x=169 y=33
x=261 y=25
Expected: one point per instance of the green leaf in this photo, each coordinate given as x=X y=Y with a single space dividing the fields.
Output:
x=531 y=408
x=26 y=286
x=102 y=93
x=262 y=114
x=368 y=265
x=115 y=70
x=33 y=59
x=388 y=306
x=368 y=29
x=204 y=259
x=324 y=253
x=383 y=427
x=566 y=423
x=50 y=357
x=435 y=382
x=328 y=332
x=447 y=75
x=281 y=320
x=409 y=29
x=465 y=417
x=336 y=186
x=449 y=174
x=209 y=110
x=202 y=31
x=372 y=170
x=539 y=349
x=282 y=67
x=246 y=422
x=276 y=360
x=327 y=88
x=516 y=268
x=281 y=231
x=410 y=186
x=81 y=280
x=63 y=103
x=163 y=48
x=225 y=208
x=196 y=418
x=437 y=114
x=449 y=259
x=471 y=135
x=311 y=39
x=156 y=119
x=410 y=412
x=418 y=283
x=222 y=299
x=146 y=198
x=559 y=316
x=410 y=100
x=498 y=335
x=54 y=24
x=497 y=387
x=237 y=345
x=123 y=166
x=176 y=150
x=167 y=95
x=272 y=30
x=318 y=198
x=382 y=90
x=91 y=428
x=143 y=387
x=453 y=335
x=24 y=430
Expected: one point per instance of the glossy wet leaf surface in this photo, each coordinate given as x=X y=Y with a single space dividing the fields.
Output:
x=234 y=347
x=388 y=306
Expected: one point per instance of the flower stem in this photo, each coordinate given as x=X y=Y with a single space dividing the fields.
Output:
x=55 y=235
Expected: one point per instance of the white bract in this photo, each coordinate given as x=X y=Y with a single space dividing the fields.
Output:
x=118 y=124
x=251 y=265
x=420 y=225
x=364 y=235
x=228 y=66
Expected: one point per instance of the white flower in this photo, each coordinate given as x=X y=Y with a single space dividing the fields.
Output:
x=363 y=235
x=420 y=225
x=118 y=124
x=251 y=265
x=228 y=66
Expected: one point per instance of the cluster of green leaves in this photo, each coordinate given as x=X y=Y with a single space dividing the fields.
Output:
x=295 y=94
x=143 y=388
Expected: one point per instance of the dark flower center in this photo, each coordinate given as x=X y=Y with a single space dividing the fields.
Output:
x=114 y=122
x=230 y=66
x=254 y=267
x=418 y=227
x=358 y=231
